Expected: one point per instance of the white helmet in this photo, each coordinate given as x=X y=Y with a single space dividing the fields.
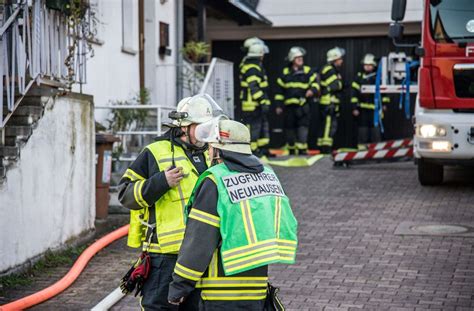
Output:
x=335 y=53
x=295 y=52
x=369 y=59
x=251 y=41
x=257 y=50
x=197 y=109
x=225 y=134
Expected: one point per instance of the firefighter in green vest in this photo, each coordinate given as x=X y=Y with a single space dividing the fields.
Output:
x=156 y=188
x=331 y=92
x=240 y=221
x=255 y=103
x=297 y=89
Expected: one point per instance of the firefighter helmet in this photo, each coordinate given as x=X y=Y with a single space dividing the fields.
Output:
x=335 y=53
x=197 y=109
x=295 y=52
x=369 y=59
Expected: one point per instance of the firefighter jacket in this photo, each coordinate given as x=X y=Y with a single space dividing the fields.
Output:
x=332 y=86
x=145 y=191
x=293 y=85
x=228 y=245
x=364 y=101
x=253 y=85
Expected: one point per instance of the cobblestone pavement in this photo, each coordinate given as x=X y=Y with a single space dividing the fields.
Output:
x=349 y=255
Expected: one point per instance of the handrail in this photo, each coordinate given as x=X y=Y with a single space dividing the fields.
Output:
x=209 y=73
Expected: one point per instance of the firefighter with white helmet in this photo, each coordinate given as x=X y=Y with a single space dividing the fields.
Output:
x=298 y=87
x=255 y=103
x=363 y=105
x=217 y=255
x=156 y=187
x=331 y=93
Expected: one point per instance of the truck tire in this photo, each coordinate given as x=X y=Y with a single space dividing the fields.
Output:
x=430 y=174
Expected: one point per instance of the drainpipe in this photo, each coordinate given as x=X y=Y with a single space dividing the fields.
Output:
x=179 y=44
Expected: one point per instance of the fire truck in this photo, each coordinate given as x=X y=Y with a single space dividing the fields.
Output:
x=444 y=111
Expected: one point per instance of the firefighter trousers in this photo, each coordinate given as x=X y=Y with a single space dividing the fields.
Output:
x=296 y=126
x=221 y=305
x=367 y=132
x=257 y=123
x=327 y=126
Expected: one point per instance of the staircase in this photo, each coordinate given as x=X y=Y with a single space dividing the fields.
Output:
x=21 y=125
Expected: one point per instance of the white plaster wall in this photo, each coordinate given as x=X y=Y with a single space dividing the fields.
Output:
x=284 y=13
x=165 y=71
x=49 y=195
x=112 y=74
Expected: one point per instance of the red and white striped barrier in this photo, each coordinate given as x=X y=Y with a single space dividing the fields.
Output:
x=399 y=143
x=374 y=154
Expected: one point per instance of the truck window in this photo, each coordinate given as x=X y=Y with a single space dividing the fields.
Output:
x=452 y=21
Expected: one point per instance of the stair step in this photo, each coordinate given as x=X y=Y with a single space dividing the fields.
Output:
x=19 y=131
x=21 y=120
x=9 y=151
x=32 y=101
x=10 y=141
x=26 y=110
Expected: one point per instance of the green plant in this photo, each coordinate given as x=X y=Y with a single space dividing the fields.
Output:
x=195 y=51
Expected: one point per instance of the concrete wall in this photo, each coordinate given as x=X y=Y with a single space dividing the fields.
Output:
x=49 y=195
x=113 y=72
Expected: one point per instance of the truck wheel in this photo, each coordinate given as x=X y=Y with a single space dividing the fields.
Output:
x=430 y=174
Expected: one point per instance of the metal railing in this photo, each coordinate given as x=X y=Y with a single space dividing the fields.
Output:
x=35 y=45
x=219 y=83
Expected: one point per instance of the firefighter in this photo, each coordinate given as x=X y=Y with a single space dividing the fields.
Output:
x=329 y=109
x=363 y=104
x=240 y=221
x=255 y=103
x=297 y=88
x=156 y=188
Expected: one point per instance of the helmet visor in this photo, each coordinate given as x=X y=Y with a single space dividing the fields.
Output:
x=208 y=132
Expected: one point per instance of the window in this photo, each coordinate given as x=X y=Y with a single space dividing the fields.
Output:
x=128 y=27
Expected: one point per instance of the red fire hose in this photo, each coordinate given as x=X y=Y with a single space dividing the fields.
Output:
x=70 y=277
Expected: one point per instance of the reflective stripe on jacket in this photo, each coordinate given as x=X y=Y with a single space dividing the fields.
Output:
x=253 y=85
x=293 y=85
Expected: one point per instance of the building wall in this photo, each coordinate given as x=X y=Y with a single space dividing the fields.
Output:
x=285 y=13
x=113 y=72
x=164 y=83
x=49 y=195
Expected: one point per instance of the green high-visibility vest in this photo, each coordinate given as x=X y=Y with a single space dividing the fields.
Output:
x=257 y=224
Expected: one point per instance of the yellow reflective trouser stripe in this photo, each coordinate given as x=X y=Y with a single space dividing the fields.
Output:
x=187 y=273
x=367 y=106
x=330 y=79
x=259 y=294
x=277 y=216
x=233 y=282
x=279 y=97
x=205 y=217
x=301 y=146
x=132 y=175
x=263 y=142
x=298 y=85
x=137 y=193
x=291 y=101
x=354 y=100
x=356 y=85
x=327 y=140
x=248 y=222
